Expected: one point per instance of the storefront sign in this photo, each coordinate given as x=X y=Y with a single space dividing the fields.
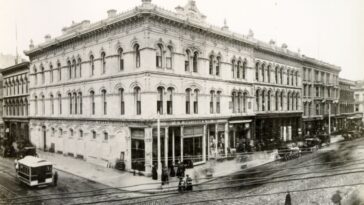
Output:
x=192 y=131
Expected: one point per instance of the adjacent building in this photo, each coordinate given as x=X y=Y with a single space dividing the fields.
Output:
x=98 y=91
x=359 y=97
x=15 y=104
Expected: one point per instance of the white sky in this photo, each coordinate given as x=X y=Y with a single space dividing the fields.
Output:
x=330 y=30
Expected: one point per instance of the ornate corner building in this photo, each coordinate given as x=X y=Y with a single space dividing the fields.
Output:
x=97 y=91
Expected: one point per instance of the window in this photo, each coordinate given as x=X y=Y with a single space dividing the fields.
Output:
x=245 y=96
x=92 y=64
x=80 y=134
x=257 y=71
x=122 y=103
x=276 y=74
x=43 y=105
x=269 y=100
x=239 y=102
x=59 y=71
x=268 y=72
x=281 y=76
x=79 y=61
x=170 y=101
x=297 y=102
x=159 y=54
x=218 y=65
x=244 y=69
x=92 y=96
x=188 y=100
x=263 y=100
x=120 y=59
x=276 y=100
x=103 y=62
x=169 y=57
x=60 y=132
x=233 y=68
x=42 y=75
x=74 y=65
x=160 y=100
x=211 y=65
x=238 y=69
x=296 y=75
x=263 y=72
x=288 y=72
x=93 y=134
x=71 y=132
x=75 y=104
x=281 y=100
x=187 y=60
x=80 y=102
x=292 y=78
x=104 y=101
x=257 y=100
x=70 y=102
x=212 y=94
x=195 y=102
x=52 y=104
x=195 y=61
x=69 y=65
x=51 y=73
x=137 y=55
x=218 y=96
x=233 y=101
x=288 y=100
x=138 y=102
x=60 y=103
x=106 y=136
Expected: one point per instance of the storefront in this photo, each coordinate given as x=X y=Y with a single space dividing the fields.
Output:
x=137 y=149
x=216 y=140
x=193 y=144
x=240 y=136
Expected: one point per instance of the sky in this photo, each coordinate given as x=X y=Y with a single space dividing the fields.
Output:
x=329 y=30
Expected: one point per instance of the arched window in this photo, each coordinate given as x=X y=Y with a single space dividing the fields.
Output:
x=218 y=96
x=51 y=73
x=71 y=132
x=281 y=75
x=188 y=100
x=170 y=101
x=74 y=65
x=80 y=134
x=59 y=71
x=288 y=73
x=70 y=102
x=187 y=60
x=263 y=100
x=292 y=101
x=218 y=65
x=92 y=97
x=75 y=103
x=160 y=100
x=240 y=101
x=79 y=62
x=159 y=56
x=169 y=57
x=42 y=74
x=297 y=102
x=43 y=105
x=80 y=101
x=292 y=77
x=137 y=55
x=245 y=96
x=257 y=100
x=233 y=100
x=195 y=61
x=233 y=68
x=52 y=104
x=263 y=72
x=244 y=69
x=238 y=69
x=296 y=74
x=276 y=74
x=69 y=65
x=195 y=102
x=212 y=95
x=120 y=59
x=106 y=136
x=277 y=100
x=104 y=101
x=60 y=132
x=281 y=100
x=257 y=71
x=93 y=134
x=269 y=99
x=288 y=100
x=60 y=104
x=268 y=72
x=103 y=62
x=92 y=64
x=122 y=103
x=138 y=101
x=211 y=65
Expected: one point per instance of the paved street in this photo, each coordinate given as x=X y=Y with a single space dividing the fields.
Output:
x=337 y=165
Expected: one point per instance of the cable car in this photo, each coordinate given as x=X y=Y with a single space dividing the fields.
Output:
x=34 y=171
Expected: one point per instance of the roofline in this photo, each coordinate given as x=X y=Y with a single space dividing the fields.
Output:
x=170 y=15
x=13 y=67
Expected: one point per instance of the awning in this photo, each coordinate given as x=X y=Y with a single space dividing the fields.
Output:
x=239 y=121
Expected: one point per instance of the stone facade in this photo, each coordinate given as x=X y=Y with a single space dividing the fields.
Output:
x=96 y=91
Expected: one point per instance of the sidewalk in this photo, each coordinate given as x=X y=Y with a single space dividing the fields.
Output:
x=127 y=181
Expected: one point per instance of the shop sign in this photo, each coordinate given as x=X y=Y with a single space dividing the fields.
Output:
x=192 y=131
x=137 y=134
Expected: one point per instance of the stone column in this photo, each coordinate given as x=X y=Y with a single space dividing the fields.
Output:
x=181 y=144
x=148 y=140
x=204 y=144
x=166 y=147
x=226 y=138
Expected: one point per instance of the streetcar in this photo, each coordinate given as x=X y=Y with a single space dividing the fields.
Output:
x=34 y=171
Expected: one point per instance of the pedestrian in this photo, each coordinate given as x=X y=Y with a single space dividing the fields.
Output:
x=165 y=175
x=288 y=199
x=336 y=198
x=55 y=178
x=181 y=185
x=183 y=169
x=173 y=172
x=188 y=183
x=154 y=172
x=179 y=170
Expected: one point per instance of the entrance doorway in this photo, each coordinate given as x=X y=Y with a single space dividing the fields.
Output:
x=137 y=149
x=192 y=149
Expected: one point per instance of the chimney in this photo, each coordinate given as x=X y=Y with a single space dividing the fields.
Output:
x=31 y=45
x=111 y=13
x=272 y=42
x=284 y=46
x=47 y=37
